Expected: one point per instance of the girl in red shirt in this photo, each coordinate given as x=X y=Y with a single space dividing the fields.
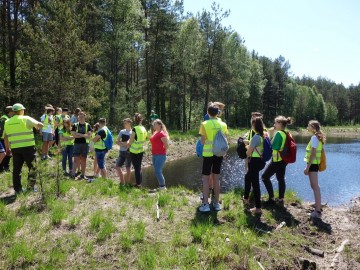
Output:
x=160 y=142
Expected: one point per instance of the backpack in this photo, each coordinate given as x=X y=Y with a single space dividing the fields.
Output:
x=108 y=140
x=199 y=148
x=322 y=165
x=241 y=148
x=220 y=146
x=267 y=153
x=288 y=154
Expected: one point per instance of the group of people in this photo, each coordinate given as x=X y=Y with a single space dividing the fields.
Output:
x=76 y=138
x=254 y=163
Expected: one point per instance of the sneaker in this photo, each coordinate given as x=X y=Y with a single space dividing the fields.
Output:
x=83 y=177
x=78 y=173
x=217 y=206
x=162 y=188
x=72 y=175
x=66 y=174
x=315 y=214
x=44 y=158
x=269 y=202
x=48 y=157
x=90 y=180
x=204 y=208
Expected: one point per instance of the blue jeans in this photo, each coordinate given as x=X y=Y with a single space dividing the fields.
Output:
x=158 y=163
x=67 y=154
x=100 y=156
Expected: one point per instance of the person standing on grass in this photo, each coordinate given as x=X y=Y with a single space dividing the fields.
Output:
x=211 y=163
x=5 y=164
x=2 y=152
x=47 y=132
x=74 y=117
x=67 y=145
x=81 y=131
x=153 y=116
x=96 y=128
x=124 y=154
x=312 y=159
x=136 y=144
x=277 y=165
x=99 y=146
x=160 y=143
x=20 y=142
x=255 y=165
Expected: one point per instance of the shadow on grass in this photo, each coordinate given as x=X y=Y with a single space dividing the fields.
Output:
x=280 y=213
x=322 y=226
x=8 y=199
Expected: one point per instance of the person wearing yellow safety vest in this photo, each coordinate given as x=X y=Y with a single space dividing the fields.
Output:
x=99 y=146
x=136 y=146
x=4 y=164
x=255 y=165
x=67 y=145
x=211 y=163
x=82 y=134
x=277 y=165
x=20 y=142
x=312 y=159
x=47 y=132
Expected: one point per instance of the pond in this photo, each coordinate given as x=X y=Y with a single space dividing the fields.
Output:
x=339 y=183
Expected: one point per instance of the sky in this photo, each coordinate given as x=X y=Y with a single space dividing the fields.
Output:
x=317 y=37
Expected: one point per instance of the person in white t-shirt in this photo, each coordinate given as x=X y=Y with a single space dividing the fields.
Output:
x=47 y=131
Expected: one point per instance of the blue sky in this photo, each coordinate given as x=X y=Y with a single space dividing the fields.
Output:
x=318 y=37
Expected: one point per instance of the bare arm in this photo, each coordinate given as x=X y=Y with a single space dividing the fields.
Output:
x=165 y=141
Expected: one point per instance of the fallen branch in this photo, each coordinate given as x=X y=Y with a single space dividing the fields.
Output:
x=260 y=265
x=314 y=251
x=338 y=251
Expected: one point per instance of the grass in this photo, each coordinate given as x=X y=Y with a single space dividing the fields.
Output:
x=106 y=226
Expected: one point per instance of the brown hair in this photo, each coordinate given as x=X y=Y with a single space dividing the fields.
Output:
x=137 y=118
x=258 y=125
x=128 y=120
x=212 y=109
x=257 y=114
x=67 y=121
x=96 y=127
x=318 y=133
x=102 y=121
x=284 y=121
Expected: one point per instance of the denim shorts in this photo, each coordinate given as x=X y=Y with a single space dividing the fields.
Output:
x=81 y=149
x=100 y=156
x=124 y=157
x=47 y=137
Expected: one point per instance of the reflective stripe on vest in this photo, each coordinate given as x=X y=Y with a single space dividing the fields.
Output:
x=318 y=153
x=46 y=122
x=275 y=153
x=258 y=151
x=61 y=121
x=138 y=146
x=19 y=135
x=100 y=144
x=67 y=142
x=211 y=128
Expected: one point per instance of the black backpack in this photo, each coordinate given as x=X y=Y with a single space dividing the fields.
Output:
x=241 y=148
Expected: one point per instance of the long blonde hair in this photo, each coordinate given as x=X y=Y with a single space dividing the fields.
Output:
x=162 y=125
x=318 y=133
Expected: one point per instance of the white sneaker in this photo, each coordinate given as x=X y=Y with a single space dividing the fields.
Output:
x=162 y=188
x=217 y=206
x=204 y=208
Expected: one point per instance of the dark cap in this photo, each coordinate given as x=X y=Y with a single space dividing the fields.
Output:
x=65 y=110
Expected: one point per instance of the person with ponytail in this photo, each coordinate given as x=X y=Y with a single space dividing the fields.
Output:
x=160 y=143
x=312 y=159
x=277 y=165
x=255 y=165
x=136 y=144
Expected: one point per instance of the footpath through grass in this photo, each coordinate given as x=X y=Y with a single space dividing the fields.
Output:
x=106 y=226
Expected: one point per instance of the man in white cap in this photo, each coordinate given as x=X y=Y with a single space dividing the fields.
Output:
x=20 y=142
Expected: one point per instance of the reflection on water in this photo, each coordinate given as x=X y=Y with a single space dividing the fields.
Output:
x=339 y=183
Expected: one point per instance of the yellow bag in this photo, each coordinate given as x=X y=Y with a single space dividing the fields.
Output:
x=322 y=165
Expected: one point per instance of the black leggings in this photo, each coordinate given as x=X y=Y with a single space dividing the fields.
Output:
x=252 y=179
x=136 y=160
x=279 y=169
